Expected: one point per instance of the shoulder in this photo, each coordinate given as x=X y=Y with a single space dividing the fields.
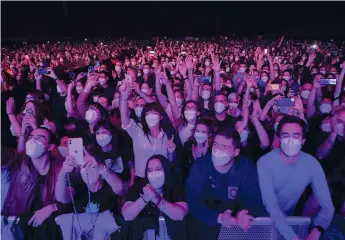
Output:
x=270 y=159
x=311 y=162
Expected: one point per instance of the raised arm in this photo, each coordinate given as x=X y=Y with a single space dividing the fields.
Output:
x=267 y=107
x=339 y=86
x=260 y=130
x=146 y=97
x=172 y=100
x=82 y=106
x=124 y=104
x=216 y=69
x=311 y=109
x=10 y=107
x=161 y=98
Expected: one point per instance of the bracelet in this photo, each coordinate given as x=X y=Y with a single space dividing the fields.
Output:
x=142 y=197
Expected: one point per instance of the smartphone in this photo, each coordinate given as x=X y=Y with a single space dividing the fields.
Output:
x=274 y=86
x=75 y=149
x=91 y=69
x=183 y=53
x=286 y=102
x=42 y=71
x=71 y=75
x=152 y=52
x=265 y=51
x=325 y=81
x=204 y=79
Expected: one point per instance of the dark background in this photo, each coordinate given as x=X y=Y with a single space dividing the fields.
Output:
x=42 y=21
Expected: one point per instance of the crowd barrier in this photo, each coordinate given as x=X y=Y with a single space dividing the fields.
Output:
x=261 y=229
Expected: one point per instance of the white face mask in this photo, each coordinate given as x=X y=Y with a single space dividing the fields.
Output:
x=172 y=72
x=133 y=64
x=220 y=158
x=12 y=131
x=146 y=71
x=103 y=139
x=276 y=127
x=326 y=127
x=290 y=146
x=287 y=78
x=145 y=90
x=264 y=79
x=34 y=149
x=219 y=107
x=207 y=63
x=205 y=94
x=305 y=94
x=117 y=68
x=156 y=178
x=102 y=81
x=200 y=137
x=90 y=176
x=339 y=128
x=138 y=111
x=325 y=108
x=244 y=135
x=242 y=69
x=152 y=119
x=190 y=115
x=63 y=151
x=91 y=116
x=79 y=89
x=179 y=102
x=233 y=105
x=323 y=72
x=227 y=69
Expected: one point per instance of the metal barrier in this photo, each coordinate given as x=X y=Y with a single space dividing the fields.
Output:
x=261 y=229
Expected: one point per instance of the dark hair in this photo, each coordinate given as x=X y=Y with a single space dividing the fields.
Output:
x=96 y=149
x=102 y=110
x=292 y=119
x=82 y=81
x=52 y=138
x=230 y=133
x=167 y=168
x=38 y=111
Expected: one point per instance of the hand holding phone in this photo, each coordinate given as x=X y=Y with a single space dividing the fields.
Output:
x=286 y=102
x=42 y=71
x=326 y=81
x=274 y=87
x=204 y=79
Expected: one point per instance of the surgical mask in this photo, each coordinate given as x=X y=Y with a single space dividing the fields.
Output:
x=58 y=89
x=305 y=94
x=339 y=128
x=244 y=135
x=227 y=69
x=174 y=63
x=12 y=131
x=95 y=99
x=264 y=79
x=145 y=90
x=229 y=85
x=290 y=146
x=220 y=158
x=103 y=139
x=172 y=72
x=219 y=107
x=146 y=71
x=323 y=72
x=242 y=69
x=205 y=94
x=287 y=78
x=152 y=119
x=334 y=73
x=91 y=116
x=117 y=68
x=79 y=89
x=102 y=81
x=207 y=63
x=138 y=111
x=200 y=137
x=275 y=68
x=156 y=178
x=133 y=63
x=63 y=151
x=325 y=108
x=90 y=176
x=326 y=127
x=233 y=105
x=190 y=115
x=34 y=148
x=179 y=102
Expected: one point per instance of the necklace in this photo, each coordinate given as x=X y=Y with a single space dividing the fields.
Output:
x=83 y=235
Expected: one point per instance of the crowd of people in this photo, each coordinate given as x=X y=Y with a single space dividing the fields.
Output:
x=204 y=133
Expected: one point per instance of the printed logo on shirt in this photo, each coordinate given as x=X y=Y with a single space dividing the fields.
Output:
x=232 y=192
x=117 y=166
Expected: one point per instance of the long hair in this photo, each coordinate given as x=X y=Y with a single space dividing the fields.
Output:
x=165 y=125
x=38 y=111
x=169 y=177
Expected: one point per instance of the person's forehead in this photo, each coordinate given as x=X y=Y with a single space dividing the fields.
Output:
x=154 y=163
x=40 y=132
x=220 y=98
x=201 y=127
x=223 y=140
x=191 y=104
x=291 y=128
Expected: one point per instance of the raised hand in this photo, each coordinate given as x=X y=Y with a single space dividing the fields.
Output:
x=10 y=105
x=216 y=64
x=189 y=62
x=171 y=145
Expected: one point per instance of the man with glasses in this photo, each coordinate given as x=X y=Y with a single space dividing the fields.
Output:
x=285 y=172
x=31 y=190
x=223 y=189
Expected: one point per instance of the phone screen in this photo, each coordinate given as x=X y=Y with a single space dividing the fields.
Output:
x=326 y=81
x=204 y=79
x=286 y=102
x=274 y=86
x=75 y=149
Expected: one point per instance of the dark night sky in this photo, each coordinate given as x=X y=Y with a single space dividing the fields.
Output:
x=41 y=20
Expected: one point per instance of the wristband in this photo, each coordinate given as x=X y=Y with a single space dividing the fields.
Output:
x=142 y=197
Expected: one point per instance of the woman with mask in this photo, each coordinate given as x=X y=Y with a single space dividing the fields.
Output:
x=186 y=124
x=197 y=145
x=95 y=113
x=114 y=148
x=157 y=193
x=156 y=136
x=262 y=82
